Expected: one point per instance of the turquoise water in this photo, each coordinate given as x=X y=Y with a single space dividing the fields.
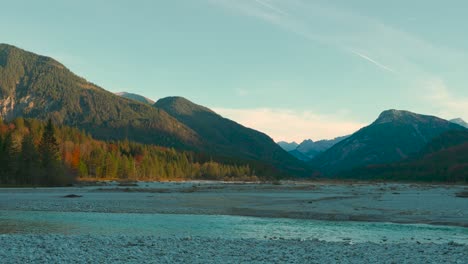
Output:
x=169 y=225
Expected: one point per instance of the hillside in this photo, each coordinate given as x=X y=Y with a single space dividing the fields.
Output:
x=444 y=159
x=298 y=155
x=226 y=137
x=395 y=135
x=34 y=86
x=80 y=157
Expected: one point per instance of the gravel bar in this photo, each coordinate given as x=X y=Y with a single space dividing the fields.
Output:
x=150 y=249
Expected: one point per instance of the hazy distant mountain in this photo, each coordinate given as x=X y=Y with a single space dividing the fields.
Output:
x=311 y=149
x=136 y=97
x=288 y=146
x=393 y=136
x=460 y=122
x=226 y=137
x=444 y=159
x=299 y=155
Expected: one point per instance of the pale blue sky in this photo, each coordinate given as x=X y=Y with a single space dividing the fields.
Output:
x=293 y=69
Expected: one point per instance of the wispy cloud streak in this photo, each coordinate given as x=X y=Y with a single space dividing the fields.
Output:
x=378 y=64
x=271 y=7
x=295 y=23
x=412 y=60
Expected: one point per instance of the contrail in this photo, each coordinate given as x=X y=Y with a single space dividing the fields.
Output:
x=267 y=5
x=378 y=64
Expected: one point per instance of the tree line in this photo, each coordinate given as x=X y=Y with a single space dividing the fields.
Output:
x=36 y=153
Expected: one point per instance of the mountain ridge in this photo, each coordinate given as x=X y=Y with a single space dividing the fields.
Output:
x=223 y=132
x=444 y=159
x=393 y=136
x=35 y=86
x=288 y=146
x=312 y=148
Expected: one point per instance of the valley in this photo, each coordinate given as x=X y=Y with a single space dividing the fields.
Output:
x=89 y=175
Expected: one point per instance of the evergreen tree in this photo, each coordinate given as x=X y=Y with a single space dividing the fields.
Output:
x=2 y=161
x=9 y=159
x=32 y=152
x=49 y=154
x=28 y=171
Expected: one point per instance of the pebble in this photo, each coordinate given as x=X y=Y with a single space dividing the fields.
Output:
x=16 y=248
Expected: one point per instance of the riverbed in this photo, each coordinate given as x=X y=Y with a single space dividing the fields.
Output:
x=212 y=222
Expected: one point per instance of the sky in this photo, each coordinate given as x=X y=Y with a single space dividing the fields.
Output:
x=294 y=69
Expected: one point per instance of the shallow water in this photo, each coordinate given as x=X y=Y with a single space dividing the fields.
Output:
x=217 y=226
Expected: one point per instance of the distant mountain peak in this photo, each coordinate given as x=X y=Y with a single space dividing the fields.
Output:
x=394 y=135
x=135 y=97
x=460 y=122
x=394 y=115
x=288 y=146
x=307 y=141
x=181 y=106
x=309 y=148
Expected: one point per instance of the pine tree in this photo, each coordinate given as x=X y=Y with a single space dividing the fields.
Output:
x=28 y=171
x=2 y=161
x=49 y=155
x=9 y=159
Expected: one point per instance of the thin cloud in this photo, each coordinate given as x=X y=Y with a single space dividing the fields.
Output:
x=349 y=29
x=378 y=64
x=297 y=25
x=242 y=92
x=413 y=59
x=272 y=7
x=289 y=125
x=446 y=103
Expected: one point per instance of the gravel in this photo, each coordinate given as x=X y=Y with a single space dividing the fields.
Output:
x=426 y=204
x=151 y=249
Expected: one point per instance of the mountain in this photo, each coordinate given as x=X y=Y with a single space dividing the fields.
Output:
x=288 y=146
x=136 y=97
x=226 y=137
x=460 y=122
x=395 y=135
x=298 y=155
x=444 y=159
x=35 y=86
x=311 y=149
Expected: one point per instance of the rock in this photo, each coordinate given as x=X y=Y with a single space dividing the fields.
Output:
x=72 y=196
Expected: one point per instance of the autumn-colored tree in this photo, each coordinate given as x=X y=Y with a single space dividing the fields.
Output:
x=75 y=157
x=40 y=154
